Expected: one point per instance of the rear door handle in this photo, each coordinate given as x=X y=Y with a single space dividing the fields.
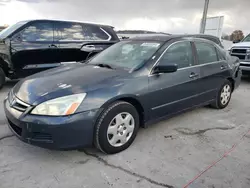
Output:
x=193 y=75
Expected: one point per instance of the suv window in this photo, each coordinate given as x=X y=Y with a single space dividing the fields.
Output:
x=206 y=53
x=38 y=32
x=180 y=53
x=94 y=32
x=69 y=31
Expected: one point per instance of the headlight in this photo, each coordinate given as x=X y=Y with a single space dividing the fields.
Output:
x=248 y=50
x=60 y=106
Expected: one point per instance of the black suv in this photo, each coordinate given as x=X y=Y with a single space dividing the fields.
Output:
x=28 y=47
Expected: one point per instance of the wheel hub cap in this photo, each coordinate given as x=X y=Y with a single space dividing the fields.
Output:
x=120 y=129
x=225 y=94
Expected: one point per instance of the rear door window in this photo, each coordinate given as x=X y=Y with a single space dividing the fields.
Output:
x=221 y=54
x=67 y=31
x=206 y=53
x=39 y=31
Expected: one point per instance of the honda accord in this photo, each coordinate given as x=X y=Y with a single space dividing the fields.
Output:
x=129 y=85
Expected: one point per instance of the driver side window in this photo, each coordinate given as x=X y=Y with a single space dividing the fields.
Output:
x=180 y=53
x=39 y=31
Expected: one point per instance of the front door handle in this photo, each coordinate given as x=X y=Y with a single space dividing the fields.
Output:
x=193 y=75
x=90 y=46
x=52 y=46
x=222 y=67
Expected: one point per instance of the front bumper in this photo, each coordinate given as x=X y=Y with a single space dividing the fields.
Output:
x=245 y=67
x=71 y=132
x=237 y=77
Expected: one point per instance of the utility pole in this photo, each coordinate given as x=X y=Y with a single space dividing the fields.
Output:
x=204 y=17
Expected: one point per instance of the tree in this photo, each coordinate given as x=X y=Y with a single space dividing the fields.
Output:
x=237 y=35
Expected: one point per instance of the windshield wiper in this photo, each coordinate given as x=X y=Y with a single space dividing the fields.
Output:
x=104 y=65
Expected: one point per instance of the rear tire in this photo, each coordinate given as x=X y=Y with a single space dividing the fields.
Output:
x=223 y=96
x=2 y=78
x=116 y=128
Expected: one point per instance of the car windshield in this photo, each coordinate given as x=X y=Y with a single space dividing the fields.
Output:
x=127 y=54
x=246 y=39
x=7 y=31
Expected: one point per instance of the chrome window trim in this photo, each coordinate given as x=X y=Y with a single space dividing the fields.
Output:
x=199 y=65
x=106 y=34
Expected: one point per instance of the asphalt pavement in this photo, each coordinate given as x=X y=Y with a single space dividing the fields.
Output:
x=202 y=148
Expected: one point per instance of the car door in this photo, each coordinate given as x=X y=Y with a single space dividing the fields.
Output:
x=177 y=91
x=32 y=48
x=71 y=37
x=213 y=69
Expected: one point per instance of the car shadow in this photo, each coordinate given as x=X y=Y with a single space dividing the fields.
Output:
x=9 y=84
x=245 y=79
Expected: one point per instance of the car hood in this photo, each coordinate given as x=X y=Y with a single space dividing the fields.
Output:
x=64 y=80
x=242 y=44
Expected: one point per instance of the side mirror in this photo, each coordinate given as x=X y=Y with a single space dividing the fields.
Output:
x=17 y=38
x=165 y=68
x=236 y=41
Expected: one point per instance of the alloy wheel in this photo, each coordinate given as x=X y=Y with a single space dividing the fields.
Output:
x=225 y=94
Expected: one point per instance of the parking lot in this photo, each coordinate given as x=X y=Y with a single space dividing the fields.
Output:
x=171 y=153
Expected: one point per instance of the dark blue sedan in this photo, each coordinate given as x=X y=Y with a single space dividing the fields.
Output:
x=104 y=101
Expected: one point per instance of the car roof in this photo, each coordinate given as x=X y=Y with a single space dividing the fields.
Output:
x=200 y=35
x=74 y=21
x=164 y=38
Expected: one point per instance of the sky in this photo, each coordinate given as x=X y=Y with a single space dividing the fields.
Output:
x=171 y=16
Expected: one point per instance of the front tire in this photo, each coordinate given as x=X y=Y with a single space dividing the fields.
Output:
x=116 y=128
x=223 y=96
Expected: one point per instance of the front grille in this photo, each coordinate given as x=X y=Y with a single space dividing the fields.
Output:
x=15 y=128
x=240 y=51
x=43 y=136
x=17 y=103
x=242 y=57
x=245 y=64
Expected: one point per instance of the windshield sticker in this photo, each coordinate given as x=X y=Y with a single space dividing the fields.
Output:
x=154 y=45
